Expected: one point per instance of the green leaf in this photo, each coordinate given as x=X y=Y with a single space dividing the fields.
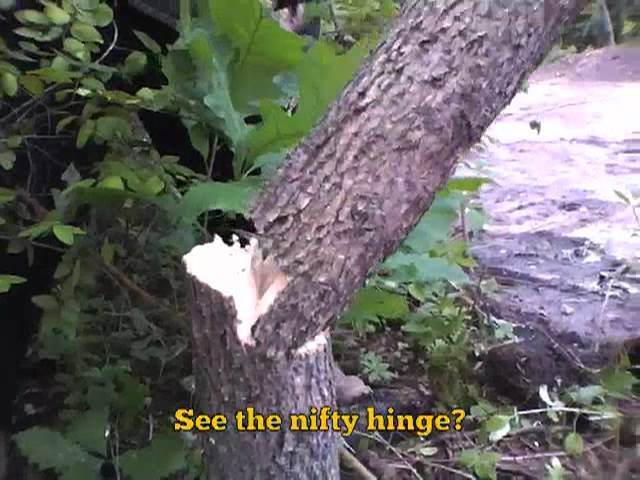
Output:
x=229 y=197
x=72 y=45
x=85 y=32
x=32 y=84
x=107 y=252
x=135 y=63
x=18 y=55
x=268 y=163
x=103 y=15
x=65 y=122
x=55 y=75
x=410 y=267
x=14 y=141
x=86 y=4
x=198 y=70
x=88 y=430
x=148 y=42
x=555 y=470
x=9 y=83
x=8 y=67
x=86 y=130
x=48 y=303
x=49 y=449
x=263 y=48
x=102 y=197
x=6 y=195
x=370 y=301
x=483 y=409
x=618 y=382
x=39 y=35
x=483 y=464
x=498 y=426
x=7 y=159
x=199 y=136
x=573 y=444
x=475 y=219
x=37 y=230
x=152 y=186
x=101 y=396
x=146 y=94
x=63 y=269
x=317 y=92
x=112 y=181
x=434 y=226
x=165 y=456
x=29 y=47
x=55 y=14
x=110 y=127
x=31 y=16
x=65 y=233
x=280 y=131
x=118 y=96
x=7 y=281
x=93 y=84
x=467 y=184
x=82 y=470
x=132 y=393
x=588 y=394
x=75 y=276
x=213 y=65
x=60 y=63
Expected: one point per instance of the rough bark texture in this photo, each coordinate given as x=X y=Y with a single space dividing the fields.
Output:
x=345 y=199
x=350 y=193
x=228 y=380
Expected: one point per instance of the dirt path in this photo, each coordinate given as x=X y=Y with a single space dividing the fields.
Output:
x=559 y=240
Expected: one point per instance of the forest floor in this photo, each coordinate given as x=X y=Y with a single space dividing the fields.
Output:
x=560 y=240
x=564 y=250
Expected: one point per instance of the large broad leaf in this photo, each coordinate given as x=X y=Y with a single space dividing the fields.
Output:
x=197 y=68
x=50 y=449
x=279 y=130
x=82 y=471
x=371 y=305
x=268 y=164
x=318 y=91
x=165 y=456
x=373 y=302
x=434 y=226
x=88 y=430
x=411 y=267
x=262 y=50
x=229 y=197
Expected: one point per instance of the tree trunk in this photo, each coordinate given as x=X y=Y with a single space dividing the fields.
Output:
x=344 y=200
x=230 y=378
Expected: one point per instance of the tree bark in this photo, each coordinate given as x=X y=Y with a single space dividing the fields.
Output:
x=343 y=201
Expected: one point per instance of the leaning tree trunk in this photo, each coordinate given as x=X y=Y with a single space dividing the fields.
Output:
x=343 y=201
